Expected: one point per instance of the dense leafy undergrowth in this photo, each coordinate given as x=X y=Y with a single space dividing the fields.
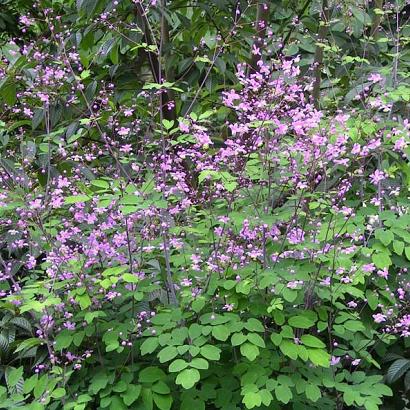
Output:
x=241 y=249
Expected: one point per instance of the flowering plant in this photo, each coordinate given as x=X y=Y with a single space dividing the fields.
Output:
x=249 y=253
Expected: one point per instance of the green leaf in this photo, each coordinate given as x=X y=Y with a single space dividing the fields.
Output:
x=187 y=378
x=84 y=398
x=210 y=352
x=198 y=304
x=74 y=199
x=384 y=236
x=189 y=403
x=116 y=404
x=398 y=247
x=30 y=383
x=147 y=398
x=382 y=389
x=255 y=339
x=397 y=370
x=163 y=402
x=195 y=331
x=371 y=405
x=372 y=299
x=199 y=363
x=301 y=322
x=100 y=183
x=220 y=332
x=28 y=344
x=9 y=93
x=283 y=394
x=354 y=325
x=266 y=396
x=177 y=365
x=161 y=388
x=289 y=349
x=149 y=345
x=250 y=351
x=312 y=341
x=313 y=392
x=40 y=386
x=254 y=325
x=407 y=252
x=319 y=357
x=276 y=338
x=237 y=339
x=64 y=339
x=251 y=400
x=194 y=350
x=167 y=354
x=90 y=316
x=167 y=124
x=289 y=295
x=114 y=271
x=349 y=397
x=131 y=394
x=381 y=260
x=407 y=381
x=150 y=375
x=99 y=382
x=83 y=300
x=361 y=16
x=13 y=375
x=302 y=352
x=58 y=393
x=120 y=387
x=130 y=278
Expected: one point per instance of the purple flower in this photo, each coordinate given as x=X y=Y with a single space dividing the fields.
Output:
x=375 y=78
x=379 y=318
x=186 y=282
x=369 y=267
x=295 y=236
x=31 y=263
x=69 y=325
x=228 y=307
x=123 y=131
x=334 y=360
x=184 y=127
x=377 y=176
x=25 y=20
x=383 y=273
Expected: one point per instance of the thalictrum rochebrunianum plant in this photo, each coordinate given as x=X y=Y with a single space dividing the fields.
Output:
x=203 y=205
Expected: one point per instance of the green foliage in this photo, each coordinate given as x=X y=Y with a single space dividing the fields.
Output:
x=257 y=335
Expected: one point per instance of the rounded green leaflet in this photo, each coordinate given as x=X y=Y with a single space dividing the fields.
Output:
x=301 y=322
x=150 y=374
x=131 y=394
x=178 y=365
x=312 y=341
x=210 y=352
x=313 y=392
x=167 y=354
x=283 y=394
x=187 y=378
x=250 y=351
x=237 y=339
x=199 y=363
x=220 y=332
x=257 y=340
x=252 y=400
